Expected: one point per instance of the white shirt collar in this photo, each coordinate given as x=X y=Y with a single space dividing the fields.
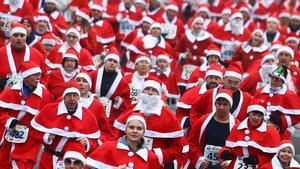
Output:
x=247 y=48
x=266 y=89
x=202 y=36
x=62 y=109
x=165 y=17
x=143 y=152
x=37 y=91
x=244 y=125
x=66 y=46
x=122 y=8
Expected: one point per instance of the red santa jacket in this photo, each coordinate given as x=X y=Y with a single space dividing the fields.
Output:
x=197 y=75
x=261 y=13
x=13 y=105
x=206 y=104
x=251 y=83
x=246 y=141
x=156 y=13
x=119 y=89
x=276 y=164
x=113 y=154
x=279 y=37
x=54 y=119
x=24 y=9
x=216 y=8
x=197 y=138
x=128 y=39
x=88 y=40
x=104 y=35
x=166 y=141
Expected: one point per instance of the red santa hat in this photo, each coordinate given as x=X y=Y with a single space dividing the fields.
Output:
x=198 y=19
x=97 y=6
x=273 y=18
x=29 y=68
x=267 y=57
x=257 y=31
x=86 y=77
x=292 y=37
x=226 y=94
x=71 y=53
x=153 y=83
x=48 y=39
x=84 y=13
x=213 y=49
x=76 y=151
x=203 y=8
x=112 y=53
x=52 y=1
x=235 y=70
x=285 y=49
x=29 y=20
x=257 y=105
x=164 y=56
x=147 y=19
x=226 y=11
x=245 y=8
x=141 y=2
x=236 y=14
x=142 y=57
x=287 y=143
x=295 y=15
x=73 y=30
x=172 y=6
x=214 y=70
x=136 y=116
x=18 y=28
x=44 y=17
x=71 y=87
x=155 y=25
x=275 y=45
x=284 y=13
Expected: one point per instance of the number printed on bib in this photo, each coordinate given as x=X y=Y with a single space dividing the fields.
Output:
x=106 y=104
x=239 y=164
x=187 y=71
x=227 y=52
x=126 y=27
x=60 y=165
x=211 y=153
x=18 y=135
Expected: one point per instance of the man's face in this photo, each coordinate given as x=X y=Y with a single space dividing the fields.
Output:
x=142 y=67
x=18 y=41
x=127 y=3
x=272 y=26
x=256 y=38
x=83 y=85
x=154 y=4
x=245 y=15
x=222 y=107
x=213 y=81
x=156 y=32
x=171 y=14
x=41 y=26
x=197 y=26
x=255 y=118
x=72 y=39
x=145 y=26
x=135 y=131
x=225 y=18
x=204 y=14
x=33 y=80
x=71 y=163
x=275 y=81
x=212 y=59
x=48 y=48
x=162 y=64
x=71 y=100
x=150 y=91
x=269 y=62
x=96 y=13
x=284 y=20
x=295 y=22
x=79 y=20
x=69 y=64
x=111 y=65
x=49 y=7
x=232 y=83
x=284 y=58
x=293 y=44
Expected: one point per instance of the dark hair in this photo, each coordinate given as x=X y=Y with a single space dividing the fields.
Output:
x=76 y=63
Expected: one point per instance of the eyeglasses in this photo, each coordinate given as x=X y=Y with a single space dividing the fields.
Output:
x=72 y=36
x=72 y=161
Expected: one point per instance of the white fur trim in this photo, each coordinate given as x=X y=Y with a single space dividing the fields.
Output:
x=42 y=18
x=268 y=56
x=295 y=17
x=68 y=55
x=49 y=42
x=18 y=107
x=31 y=72
x=172 y=7
x=98 y=7
x=71 y=90
x=98 y=164
x=46 y=139
x=256 y=108
x=83 y=15
x=236 y=15
x=233 y=74
x=199 y=162
x=7 y=124
x=73 y=30
x=147 y=19
x=225 y=96
x=86 y=77
x=112 y=56
x=251 y=143
x=136 y=117
x=142 y=58
x=118 y=103
x=198 y=19
x=164 y=57
x=159 y=154
x=76 y=155
x=273 y=19
x=292 y=38
x=214 y=73
x=51 y=1
x=183 y=105
x=18 y=30
x=285 y=49
x=155 y=25
x=213 y=52
x=154 y=84
x=285 y=145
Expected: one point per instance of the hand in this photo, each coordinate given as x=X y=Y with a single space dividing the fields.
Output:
x=82 y=140
x=253 y=160
x=13 y=123
x=122 y=167
x=224 y=164
x=51 y=137
x=116 y=99
x=204 y=164
x=226 y=155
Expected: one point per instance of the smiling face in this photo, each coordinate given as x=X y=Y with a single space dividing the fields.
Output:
x=111 y=65
x=255 y=118
x=135 y=131
x=285 y=155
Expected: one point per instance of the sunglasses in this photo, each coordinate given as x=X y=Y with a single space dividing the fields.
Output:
x=74 y=161
x=274 y=78
x=72 y=36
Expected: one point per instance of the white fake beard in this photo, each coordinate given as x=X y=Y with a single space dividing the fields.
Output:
x=150 y=41
x=149 y=102
x=236 y=27
x=265 y=71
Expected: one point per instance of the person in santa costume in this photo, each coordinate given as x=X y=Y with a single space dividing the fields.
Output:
x=155 y=10
x=213 y=55
x=230 y=36
x=49 y=41
x=166 y=142
x=293 y=42
x=251 y=52
x=272 y=33
x=61 y=123
x=260 y=12
x=260 y=78
x=104 y=31
x=18 y=105
x=111 y=86
x=204 y=143
x=252 y=142
x=42 y=25
x=284 y=157
x=91 y=102
x=190 y=50
x=85 y=60
x=56 y=18
x=67 y=72
x=172 y=25
x=225 y=15
x=232 y=79
x=216 y=7
x=283 y=104
x=14 y=53
x=213 y=78
x=152 y=44
x=293 y=25
x=75 y=156
x=290 y=5
x=248 y=21
x=18 y=8
x=129 y=151
x=125 y=18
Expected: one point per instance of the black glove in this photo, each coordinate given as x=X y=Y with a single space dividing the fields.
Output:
x=3 y=82
x=13 y=123
x=226 y=155
x=169 y=166
x=275 y=119
x=123 y=61
x=187 y=123
x=253 y=160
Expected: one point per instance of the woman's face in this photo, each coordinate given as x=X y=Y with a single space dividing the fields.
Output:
x=285 y=155
x=135 y=131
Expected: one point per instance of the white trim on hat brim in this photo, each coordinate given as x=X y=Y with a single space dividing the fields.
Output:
x=154 y=84
x=285 y=145
x=233 y=74
x=141 y=59
x=31 y=72
x=112 y=56
x=86 y=77
x=225 y=96
x=98 y=7
x=136 y=117
x=18 y=30
x=75 y=155
x=164 y=57
x=83 y=15
x=257 y=108
x=71 y=90
x=214 y=73
x=213 y=52
x=69 y=55
x=49 y=42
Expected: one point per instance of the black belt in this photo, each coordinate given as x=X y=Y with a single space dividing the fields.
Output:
x=56 y=153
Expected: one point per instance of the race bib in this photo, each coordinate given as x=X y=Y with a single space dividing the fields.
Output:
x=239 y=164
x=60 y=165
x=130 y=64
x=227 y=52
x=211 y=153
x=18 y=135
x=149 y=142
x=170 y=30
x=106 y=104
x=6 y=21
x=126 y=27
x=187 y=71
x=134 y=95
x=13 y=79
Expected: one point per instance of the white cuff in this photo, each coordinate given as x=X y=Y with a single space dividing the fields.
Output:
x=118 y=104
x=88 y=145
x=7 y=124
x=199 y=162
x=46 y=139
x=159 y=154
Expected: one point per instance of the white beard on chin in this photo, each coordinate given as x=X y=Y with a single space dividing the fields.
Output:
x=150 y=41
x=149 y=104
x=264 y=71
x=236 y=27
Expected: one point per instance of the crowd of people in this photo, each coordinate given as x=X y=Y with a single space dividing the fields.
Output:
x=93 y=84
